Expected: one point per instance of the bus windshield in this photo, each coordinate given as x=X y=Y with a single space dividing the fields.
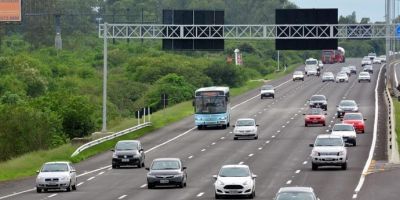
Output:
x=210 y=104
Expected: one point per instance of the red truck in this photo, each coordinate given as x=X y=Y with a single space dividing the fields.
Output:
x=330 y=56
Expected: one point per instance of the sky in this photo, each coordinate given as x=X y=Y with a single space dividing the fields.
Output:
x=374 y=9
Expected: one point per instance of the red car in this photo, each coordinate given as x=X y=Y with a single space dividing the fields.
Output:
x=355 y=119
x=314 y=116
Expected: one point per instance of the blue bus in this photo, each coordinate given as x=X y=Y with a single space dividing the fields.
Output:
x=212 y=107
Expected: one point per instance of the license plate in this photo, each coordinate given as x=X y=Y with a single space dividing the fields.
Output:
x=164 y=181
x=315 y=121
x=125 y=160
x=328 y=159
x=234 y=191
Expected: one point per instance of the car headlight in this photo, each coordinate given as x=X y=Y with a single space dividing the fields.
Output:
x=355 y=109
x=246 y=182
x=222 y=118
x=136 y=156
x=150 y=176
x=114 y=155
x=340 y=109
x=65 y=178
x=178 y=175
x=341 y=153
x=218 y=182
x=314 y=153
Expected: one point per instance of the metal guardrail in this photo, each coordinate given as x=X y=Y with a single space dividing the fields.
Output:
x=392 y=89
x=109 y=137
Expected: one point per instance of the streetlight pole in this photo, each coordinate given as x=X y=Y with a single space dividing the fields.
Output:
x=104 y=129
x=387 y=30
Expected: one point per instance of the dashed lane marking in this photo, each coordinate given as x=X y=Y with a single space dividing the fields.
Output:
x=190 y=157
x=241 y=163
x=200 y=194
x=53 y=195
x=298 y=171
x=250 y=155
x=305 y=162
x=123 y=196
x=79 y=184
x=101 y=173
x=144 y=185
x=288 y=182
x=91 y=178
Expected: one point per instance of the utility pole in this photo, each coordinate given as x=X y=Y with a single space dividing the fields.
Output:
x=278 y=62
x=387 y=31
x=104 y=129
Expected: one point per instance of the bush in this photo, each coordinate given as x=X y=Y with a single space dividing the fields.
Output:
x=226 y=74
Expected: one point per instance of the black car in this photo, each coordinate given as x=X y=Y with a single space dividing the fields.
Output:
x=166 y=172
x=128 y=152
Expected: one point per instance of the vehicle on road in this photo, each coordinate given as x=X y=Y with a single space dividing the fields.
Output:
x=298 y=75
x=128 y=153
x=235 y=180
x=312 y=71
x=314 y=116
x=56 y=175
x=328 y=150
x=328 y=76
x=342 y=77
x=346 y=106
x=366 y=61
x=353 y=69
x=296 y=193
x=245 y=128
x=368 y=68
x=364 y=76
x=346 y=131
x=347 y=70
x=166 y=172
x=267 y=91
x=333 y=55
x=311 y=66
x=318 y=101
x=382 y=58
x=372 y=56
x=212 y=107
x=355 y=119
x=376 y=60
x=320 y=64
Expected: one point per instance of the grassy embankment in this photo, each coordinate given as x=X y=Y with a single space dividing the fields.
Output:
x=396 y=104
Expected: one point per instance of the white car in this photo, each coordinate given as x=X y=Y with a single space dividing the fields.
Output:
x=296 y=193
x=320 y=64
x=245 y=128
x=366 y=61
x=376 y=61
x=364 y=76
x=372 y=56
x=346 y=131
x=347 y=70
x=328 y=76
x=298 y=75
x=382 y=58
x=267 y=91
x=342 y=77
x=56 y=175
x=312 y=71
x=233 y=180
x=328 y=150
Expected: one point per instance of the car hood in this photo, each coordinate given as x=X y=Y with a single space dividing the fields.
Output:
x=244 y=128
x=165 y=172
x=344 y=133
x=329 y=148
x=53 y=174
x=128 y=152
x=234 y=180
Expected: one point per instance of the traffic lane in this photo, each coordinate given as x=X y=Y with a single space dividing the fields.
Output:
x=342 y=183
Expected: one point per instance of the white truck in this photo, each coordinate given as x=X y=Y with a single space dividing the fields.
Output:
x=311 y=67
x=328 y=150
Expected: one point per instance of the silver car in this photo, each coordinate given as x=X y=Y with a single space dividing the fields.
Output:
x=364 y=76
x=296 y=193
x=328 y=76
x=245 y=128
x=166 y=171
x=328 y=150
x=56 y=175
x=346 y=106
x=342 y=77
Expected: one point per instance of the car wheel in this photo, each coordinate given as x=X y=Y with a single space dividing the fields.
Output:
x=217 y=196
x=235 y=138
x=355 y=143
x=113 y=166
x=253 y=194
x=69 y=187
x=150 y=186
x=256 y=137
x=74 y=187
x=363 y=131
x=314 y=166
x=139 y=165
x=323 y=124
x=224 y=126
x=344 y=166
x=262 y=97
x=199 y=127
x=38 y=190
x=143 y=164
x=359 y=81
x=273 y=96
x=181 y=184
x=305 y=124
x=302 y=79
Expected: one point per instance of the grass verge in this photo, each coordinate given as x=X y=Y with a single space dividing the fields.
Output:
x=281 y=73
x=26 y=165
x=396 y=104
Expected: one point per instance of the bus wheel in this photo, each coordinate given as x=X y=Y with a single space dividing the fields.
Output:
x=224 y=126
x=200 y=127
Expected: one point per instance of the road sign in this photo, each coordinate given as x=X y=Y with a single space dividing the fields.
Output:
x=398 y=31
x=10 y=10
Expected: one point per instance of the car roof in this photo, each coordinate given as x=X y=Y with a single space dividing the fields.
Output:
x=58 y=162
x=341 y=124
x=347 y=100
x=238 y=166
x=245 y=119
x=167 y=159
x=296 y=189
x=353 y=113
x=364 y=73
x=316 y=95
x=328 y=136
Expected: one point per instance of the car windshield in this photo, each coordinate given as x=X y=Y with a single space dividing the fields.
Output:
x=311 y=62
x=247 y=122
x=165 y=165
x=347 y=103
x=234 y=172
x=55 y=167
x=343 y=127
x=328 y=142
x=315 y=111
x=345 y=68
x=121 y=146
x=295 y=196
x=372 y=54
x=267 y=87
x=317 y=98
x=364 y=74
x=327 y=74
x=298 y=73
x=341 y=74
x=351 y=116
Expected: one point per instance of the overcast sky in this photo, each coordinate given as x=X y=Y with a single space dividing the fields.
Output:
x=374 y=9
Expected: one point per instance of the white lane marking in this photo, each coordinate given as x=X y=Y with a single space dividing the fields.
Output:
x=123 y=196
x=255 y=115
x=190 y=157
x=332 y=121
x=222 y=138
x=327 y=130
x=283 y=126
x=330 y=126
x=170 y=140
x=250 y=155
x=96 y=170
x=213 y=143
x=372 y=149
x=260 y=148
x=273 y=136
x=297 y=171
x=17 y=193
x=79 y=184
x=143 y=186
x=200 y=194
x=288 y=182
x=287 y=122
x=53 y=195
x=259 y=112
x=292 y=118
x=241 y=163
x=91 y=178
x=109 y=168
x=354 y=196
x=100 y=173
x=265 y=109
x=230 y=132
x=278 y=131
x=203 y=149
x=295 y=114
x=305 y=162
x=267 y=141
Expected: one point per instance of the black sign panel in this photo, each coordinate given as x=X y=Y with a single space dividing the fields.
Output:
x=193 y=17
x=305 y=16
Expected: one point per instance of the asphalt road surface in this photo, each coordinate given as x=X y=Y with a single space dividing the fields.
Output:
x=280 y=157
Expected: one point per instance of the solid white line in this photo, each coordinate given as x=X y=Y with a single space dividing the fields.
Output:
x=297 y=171
x=372 y=149
x=123 y=196
x=96 y=170
x=101 y=173
x=17 y=193
x=395 y=76
x=53 y=195
x=91 y=178
x=79 y=184
x=200 y=194
x=354 y=196
x=288 y=182
x=144 y=185
x=250 y=155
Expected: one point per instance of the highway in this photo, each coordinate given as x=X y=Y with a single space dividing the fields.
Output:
x=280 y=157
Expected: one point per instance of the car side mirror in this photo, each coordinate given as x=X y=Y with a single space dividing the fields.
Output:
x=147 y=168
x=112 y=150
x=73 y=171
x=254 y=176
x=326 y=113
x=141 y=149
x=37 y=172
x=365 y=119
x=184 y=168
x=257 y=125
x=311 y=145
x=215 y=177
